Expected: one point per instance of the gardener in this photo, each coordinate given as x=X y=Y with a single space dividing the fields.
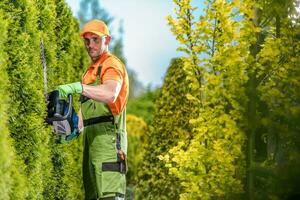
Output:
x=104 y=90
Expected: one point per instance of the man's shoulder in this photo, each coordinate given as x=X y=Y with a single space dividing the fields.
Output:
x=113 y=60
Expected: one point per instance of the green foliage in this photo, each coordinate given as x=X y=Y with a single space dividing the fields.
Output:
x=39 y=168
x=143 y=105
x=170 y=124
x=7 y=154
x=68 y=67
x=277 y=93
x=27 y=100
x=211 y=165
x=136 y=128
x=241 y=58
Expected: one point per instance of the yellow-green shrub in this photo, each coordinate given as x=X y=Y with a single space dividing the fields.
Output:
x=170 y=124
x=246 y=53
x=136 y=128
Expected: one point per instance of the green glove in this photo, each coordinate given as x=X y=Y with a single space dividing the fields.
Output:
x=71 y=88
x=66 y=139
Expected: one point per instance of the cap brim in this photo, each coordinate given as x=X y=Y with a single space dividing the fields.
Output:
x=95 y=32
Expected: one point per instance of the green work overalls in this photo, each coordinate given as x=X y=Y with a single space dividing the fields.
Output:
x=104 y=136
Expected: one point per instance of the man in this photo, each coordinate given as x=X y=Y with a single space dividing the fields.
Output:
x=104 y=90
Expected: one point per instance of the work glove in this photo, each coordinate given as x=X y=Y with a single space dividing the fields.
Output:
x=71 y=88
x=66 y=139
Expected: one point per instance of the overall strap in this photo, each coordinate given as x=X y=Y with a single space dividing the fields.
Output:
x=99 y=119
x=84 y=98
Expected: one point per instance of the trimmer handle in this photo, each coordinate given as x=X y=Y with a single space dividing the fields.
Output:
x=58 y=110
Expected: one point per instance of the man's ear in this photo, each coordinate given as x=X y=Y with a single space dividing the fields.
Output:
x=107 y=40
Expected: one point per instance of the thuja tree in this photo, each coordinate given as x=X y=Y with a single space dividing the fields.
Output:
x=66 y=63
x=66 y=60
x=40 y=168
x=27 y=103
x=170 y=124
x=13 y=183
x=7 y=154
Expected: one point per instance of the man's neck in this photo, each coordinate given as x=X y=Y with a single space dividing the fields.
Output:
x=94 y=60
x=98 y=58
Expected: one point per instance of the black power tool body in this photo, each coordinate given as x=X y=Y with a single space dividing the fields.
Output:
x=61 y=115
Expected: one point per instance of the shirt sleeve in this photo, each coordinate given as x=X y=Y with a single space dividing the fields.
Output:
x=112 y=74
x=112 y=71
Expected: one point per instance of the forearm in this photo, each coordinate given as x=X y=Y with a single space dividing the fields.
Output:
x=100 y=93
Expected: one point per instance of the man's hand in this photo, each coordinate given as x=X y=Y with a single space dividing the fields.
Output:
x=80 y=121
x=71 y=88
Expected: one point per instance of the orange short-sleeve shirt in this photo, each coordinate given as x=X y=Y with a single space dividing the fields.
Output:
x=112 y=69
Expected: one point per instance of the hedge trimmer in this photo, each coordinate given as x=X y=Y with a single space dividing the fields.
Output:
x=60 y=113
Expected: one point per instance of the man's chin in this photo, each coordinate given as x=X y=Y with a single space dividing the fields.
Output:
x=94 y=57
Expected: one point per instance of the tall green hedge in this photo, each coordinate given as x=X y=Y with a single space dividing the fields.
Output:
x=32 y=165
x=5 y=143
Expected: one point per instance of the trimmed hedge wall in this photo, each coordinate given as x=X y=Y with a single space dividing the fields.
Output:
x=32 y=166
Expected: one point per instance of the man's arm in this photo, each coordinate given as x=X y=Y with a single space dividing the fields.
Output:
x=106 y=92
x=80 y=121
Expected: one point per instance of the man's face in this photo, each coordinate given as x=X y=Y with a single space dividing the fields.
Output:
x=95 y=45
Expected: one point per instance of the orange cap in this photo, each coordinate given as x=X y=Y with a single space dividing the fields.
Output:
x=95 y=26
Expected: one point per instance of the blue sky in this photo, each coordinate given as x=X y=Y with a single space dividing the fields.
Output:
x=148 y=42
